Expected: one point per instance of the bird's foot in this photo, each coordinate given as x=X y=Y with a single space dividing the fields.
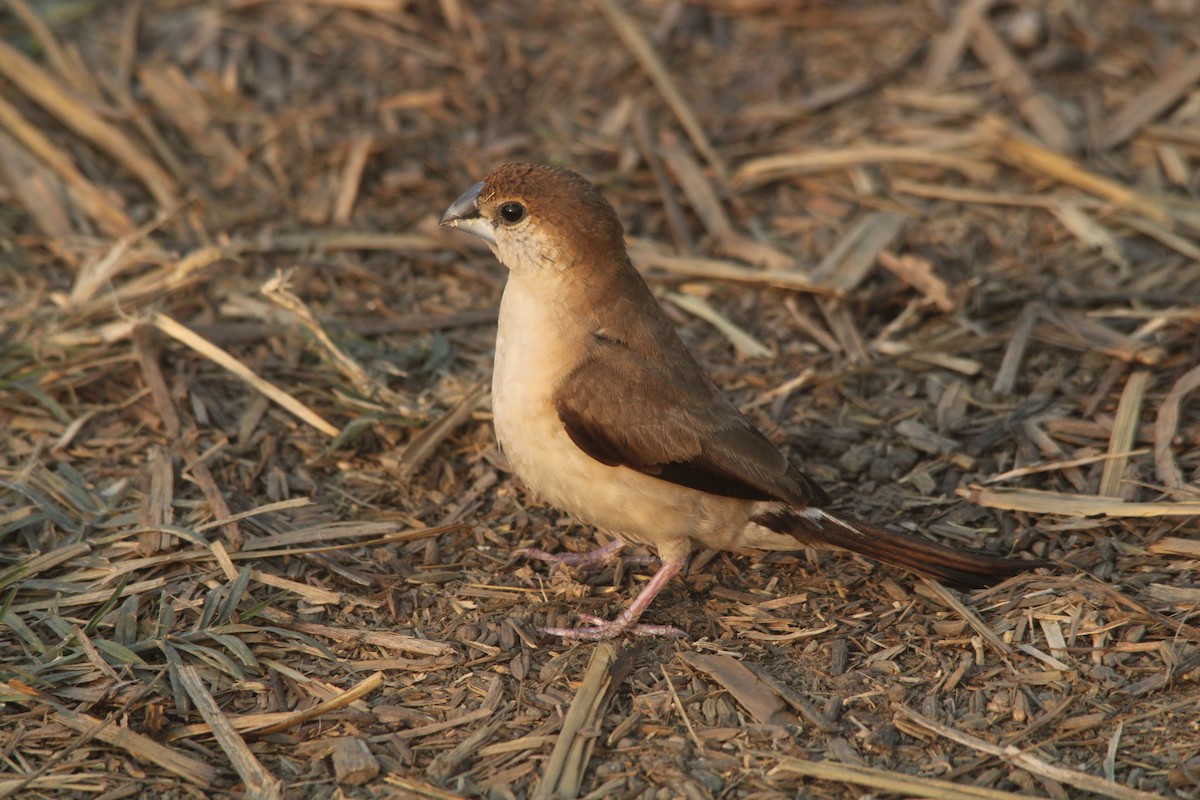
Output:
x=627 y=622
x=599 y=629
x=599 y=557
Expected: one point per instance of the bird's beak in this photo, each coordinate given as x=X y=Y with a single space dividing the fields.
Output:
x=463 y=214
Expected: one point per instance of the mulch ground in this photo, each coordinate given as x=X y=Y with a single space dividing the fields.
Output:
x=255 y=532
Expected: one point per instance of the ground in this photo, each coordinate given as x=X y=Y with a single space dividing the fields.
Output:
x=255 y=533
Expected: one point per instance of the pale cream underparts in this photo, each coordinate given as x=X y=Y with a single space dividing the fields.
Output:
x=537 y=346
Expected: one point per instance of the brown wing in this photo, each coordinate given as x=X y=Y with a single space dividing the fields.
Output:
x=662 y=417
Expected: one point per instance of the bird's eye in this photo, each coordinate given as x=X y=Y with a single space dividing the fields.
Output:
x=512 y=212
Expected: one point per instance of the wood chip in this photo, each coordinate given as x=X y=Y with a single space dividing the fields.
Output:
x=751 y=692
x=353 y=762
x=918 y=273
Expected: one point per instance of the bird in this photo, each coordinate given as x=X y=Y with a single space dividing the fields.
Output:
x=601 y=410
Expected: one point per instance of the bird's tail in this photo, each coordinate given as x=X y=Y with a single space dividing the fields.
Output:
x=959 y=568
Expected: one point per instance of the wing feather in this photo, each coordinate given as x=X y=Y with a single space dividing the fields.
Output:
x=663 y=417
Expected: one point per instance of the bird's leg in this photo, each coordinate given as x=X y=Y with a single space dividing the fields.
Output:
x=599 y=557
x=627 y=621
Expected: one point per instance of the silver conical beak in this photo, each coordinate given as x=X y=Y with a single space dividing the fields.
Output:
x=463 y=214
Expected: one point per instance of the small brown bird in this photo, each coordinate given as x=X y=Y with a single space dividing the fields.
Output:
x=603 y=412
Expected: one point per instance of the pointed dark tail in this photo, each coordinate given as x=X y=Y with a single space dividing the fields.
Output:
x=961 y=569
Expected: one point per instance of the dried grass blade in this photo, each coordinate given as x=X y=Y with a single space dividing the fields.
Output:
x=277 y=291
x=1010 y=365
x=1149 y=102
x=646 y=257
x=844 y=328
x=1091 y=233
x=329 y=241
x=356 y=162
x=563 y=771
x=170 y=90
x=707 y=206
x=919 y=273
x=746 y=345
x=959 y=194
x=88 y=598
x=974 y=620
x=1074 y=505
x=1176 y=546
x=676 y=221
x=313 y=595
x=1034 y=105
x=644 y=54
x=948 y=47
x=424 y=443
x=1179 y=244
x=137 y=745
x=1078 y=332
x=891 y=782
x=390 y=531
x=1026 y=155
x=56 y=54
x=363 y=688
x=156 y=511
x=36 y=190
x=267 y=508
x=1129 y=415
x=851 y=259
x=454 y=722
x=447 y=762
x=218 y=356
x=765 y=169
x=1068 y=463
x=83 y=783
x=43 y=89
x=1028 y=761
x=1165 y=427
x=96 y=203
x=420 y=790
x=41 y=563
x=385 y=639
x=260 y=783
x=167 y=279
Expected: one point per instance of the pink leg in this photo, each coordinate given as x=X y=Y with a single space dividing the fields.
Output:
x=627 y=621
x=599 y=557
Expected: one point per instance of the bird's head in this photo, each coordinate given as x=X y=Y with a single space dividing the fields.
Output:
x=540 y=219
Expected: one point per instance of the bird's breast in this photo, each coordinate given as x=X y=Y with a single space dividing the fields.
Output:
x=534 y=352
x=533 y=355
